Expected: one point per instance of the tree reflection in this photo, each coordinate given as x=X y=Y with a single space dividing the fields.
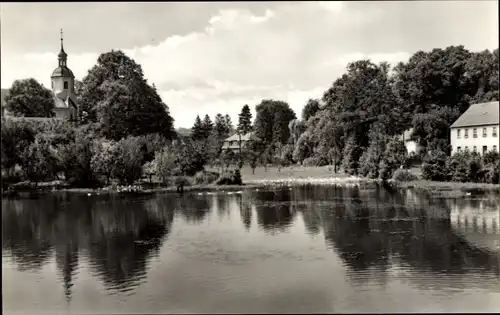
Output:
x=367 y=232
x=274 y=213
x=119 y=235
x=193 y=208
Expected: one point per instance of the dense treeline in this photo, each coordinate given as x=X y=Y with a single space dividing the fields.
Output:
x=125 y=131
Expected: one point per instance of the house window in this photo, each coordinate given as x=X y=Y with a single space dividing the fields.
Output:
x=474 y=133
x=485 y=149
x=65 y=85
x=466 y=133
x=466 y=149
x=474 y=149
x=459 y=149
x=484 y=132
x=495 y=148
x=458 y=133
x=494 y=131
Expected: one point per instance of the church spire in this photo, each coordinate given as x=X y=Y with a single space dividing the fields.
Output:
x=62 y=54
x=62 y=47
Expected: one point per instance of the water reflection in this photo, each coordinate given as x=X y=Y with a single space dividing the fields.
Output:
x=378 y=236
x=117 y=236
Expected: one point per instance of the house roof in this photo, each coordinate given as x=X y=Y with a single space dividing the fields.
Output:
x=479 y=114
x=247 y=137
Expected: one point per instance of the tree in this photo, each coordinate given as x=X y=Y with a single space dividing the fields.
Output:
x=29 y=98
x=191 y=158
x=221 y=128
x=311 y=108
x=394 y=157
x=270 y=113
x=116 y=94
x=373 y=155
x=303 y=148
x=227 y=157
x=128 y=160
x=207 y=127
x=103 y=161
x=15 y=137
x=165 y=164
x=229 y=124
x=39 y=161
x=197 y=132
x=245 y=120
x=435 y=166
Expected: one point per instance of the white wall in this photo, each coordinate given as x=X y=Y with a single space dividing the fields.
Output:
x=411 y=146
x=479 y=142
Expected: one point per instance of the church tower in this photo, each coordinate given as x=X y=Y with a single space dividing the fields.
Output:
x=63 y=87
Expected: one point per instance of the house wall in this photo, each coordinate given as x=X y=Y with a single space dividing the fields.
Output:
x=489 y=141
x=411 y=146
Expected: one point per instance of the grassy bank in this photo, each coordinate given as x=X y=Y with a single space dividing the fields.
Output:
x=294 y=175
x=449 y=189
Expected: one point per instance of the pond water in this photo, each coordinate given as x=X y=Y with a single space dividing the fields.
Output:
x=287 y=250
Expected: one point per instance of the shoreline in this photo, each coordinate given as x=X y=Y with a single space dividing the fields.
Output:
x=435 y=189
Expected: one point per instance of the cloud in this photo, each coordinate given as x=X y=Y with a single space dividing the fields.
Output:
x=290 y=51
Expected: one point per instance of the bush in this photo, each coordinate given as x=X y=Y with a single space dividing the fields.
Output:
x=129 y=160
x=435 y=166
x=205 y=177
x=230 y=178
x=166 y=166
x=491 y=158
x=402 y=175
x=492 y=174
x=393 y=158
x=316 y=161
x=458 y=167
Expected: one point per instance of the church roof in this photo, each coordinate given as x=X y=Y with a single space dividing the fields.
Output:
x=62 y=72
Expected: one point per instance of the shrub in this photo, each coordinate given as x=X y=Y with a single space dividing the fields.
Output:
x=129 y=160
x=166 y=166
x=491 y=158
x=458 y=167
x=492 y=174
x=394 y=157
x=229 y=177
x=435 y=166
x=402 y=175
x=205 y=177
x=316 y=161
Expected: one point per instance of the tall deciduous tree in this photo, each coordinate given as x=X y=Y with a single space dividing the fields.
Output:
x=311 y=108
x=271 y=121
x=117 y=96
x=29 y=98
x=245 y=120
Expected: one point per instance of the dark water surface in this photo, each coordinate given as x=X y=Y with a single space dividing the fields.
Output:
x=306 y=249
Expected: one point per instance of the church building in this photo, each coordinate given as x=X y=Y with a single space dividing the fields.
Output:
x=63 y=87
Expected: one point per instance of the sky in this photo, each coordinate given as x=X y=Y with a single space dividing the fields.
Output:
x=215 y=57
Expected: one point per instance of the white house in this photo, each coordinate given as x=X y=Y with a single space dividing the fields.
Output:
x=477 y=129
x=411 y=145
x=233 y=143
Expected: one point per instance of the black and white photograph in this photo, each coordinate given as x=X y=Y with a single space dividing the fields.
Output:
x=252 y=157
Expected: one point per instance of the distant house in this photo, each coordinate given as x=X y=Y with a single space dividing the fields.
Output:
x=233 y=143
x=477 y=129
x=412 y=147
